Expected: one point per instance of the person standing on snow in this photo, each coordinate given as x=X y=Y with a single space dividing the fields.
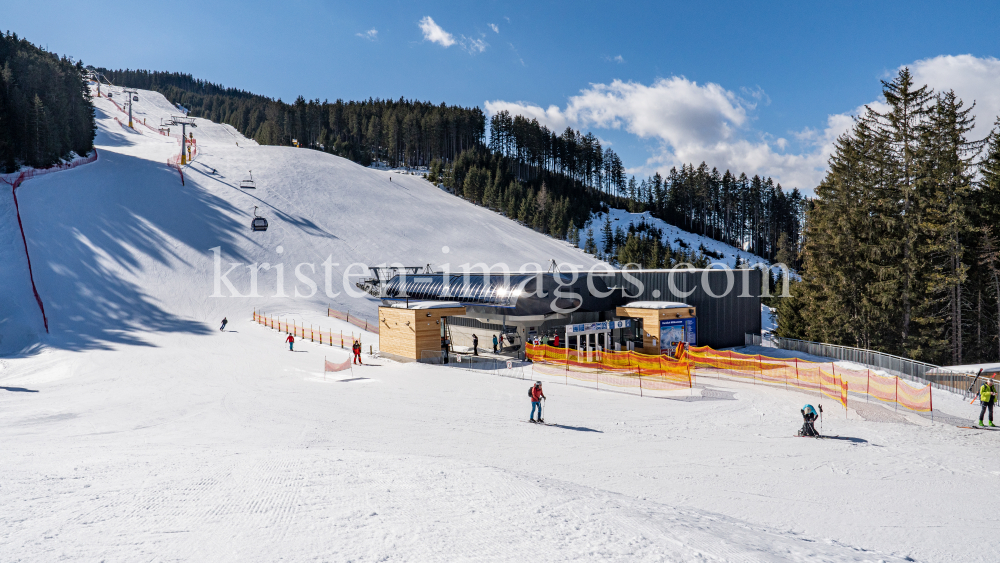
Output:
x=224 y=321
x=536 y=395
x=291 y=341
x=987 y=396
x=556 y=340
x=809 y=417
x=475 y=345
x=494 y=344
x=356 y=349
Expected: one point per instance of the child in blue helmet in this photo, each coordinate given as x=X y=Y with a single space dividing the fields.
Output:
x=809 y=417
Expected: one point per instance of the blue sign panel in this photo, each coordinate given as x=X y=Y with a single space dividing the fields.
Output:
x=603 y=326
x=678 y=330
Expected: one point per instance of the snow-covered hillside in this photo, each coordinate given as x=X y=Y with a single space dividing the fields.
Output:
x=671 y=234
x=139 y=431
x=121 y=247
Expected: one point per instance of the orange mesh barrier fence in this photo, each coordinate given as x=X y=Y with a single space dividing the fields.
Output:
x=310 y=333
x=617 y=369
x=827 y=378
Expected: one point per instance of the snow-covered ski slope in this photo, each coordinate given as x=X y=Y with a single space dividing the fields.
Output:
x=121 y=247
x=138 y=431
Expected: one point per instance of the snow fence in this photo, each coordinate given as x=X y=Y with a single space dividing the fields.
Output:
x=825 y=378
x=306 y=333
x=355 y=320
x=617 y=369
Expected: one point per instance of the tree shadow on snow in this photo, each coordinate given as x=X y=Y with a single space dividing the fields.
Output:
x=83 y=246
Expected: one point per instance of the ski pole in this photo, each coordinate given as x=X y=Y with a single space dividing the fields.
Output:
x=821 y=419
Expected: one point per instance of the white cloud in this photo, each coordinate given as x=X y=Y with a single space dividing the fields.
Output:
x=474 y=46
x=434 y=33
x=494 y=27
x=973 y=79
x=371 y=35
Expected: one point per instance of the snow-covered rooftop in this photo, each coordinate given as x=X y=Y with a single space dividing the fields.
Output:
x=427 y=305
x=657 y=305
x=972 y=368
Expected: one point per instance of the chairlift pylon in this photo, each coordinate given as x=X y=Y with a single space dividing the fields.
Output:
x=249 y=184
x=259 y=223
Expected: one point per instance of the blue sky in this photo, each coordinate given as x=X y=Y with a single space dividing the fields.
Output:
x=761 y=89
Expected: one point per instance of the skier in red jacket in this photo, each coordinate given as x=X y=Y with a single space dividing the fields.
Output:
x=291 y=341
x=356 y=349
x=536 y=395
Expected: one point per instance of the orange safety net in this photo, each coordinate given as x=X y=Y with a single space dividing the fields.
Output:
x=827 y=378
x=618 y=369
x=319 y=335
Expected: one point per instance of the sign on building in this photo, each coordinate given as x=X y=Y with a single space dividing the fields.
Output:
x=673 y=331
x=603 y=326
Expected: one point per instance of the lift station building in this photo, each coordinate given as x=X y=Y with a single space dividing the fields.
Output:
x=644 y=310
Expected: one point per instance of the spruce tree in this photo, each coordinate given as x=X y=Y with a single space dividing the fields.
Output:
x=590 y=246
x=608 y=235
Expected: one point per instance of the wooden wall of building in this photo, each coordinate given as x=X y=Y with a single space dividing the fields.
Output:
x=410 y=332
x=651 y=323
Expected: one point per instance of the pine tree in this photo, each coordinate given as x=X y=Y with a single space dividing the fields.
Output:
x=590 y=246
x=901 y=126
x=608 y=236
x=944 y=186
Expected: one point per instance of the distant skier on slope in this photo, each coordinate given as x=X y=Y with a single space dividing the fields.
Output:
x=291 y=342
x=987 y=397
x=475 y=345
x=494 y=344
x=809 y=417
x=356 y=350
x=536 y=395
x=224 y=322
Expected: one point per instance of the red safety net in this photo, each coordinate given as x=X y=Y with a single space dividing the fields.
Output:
x=330 y=366
x=14 y=181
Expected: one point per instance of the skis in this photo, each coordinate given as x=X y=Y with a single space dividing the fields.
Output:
x=979 y=427
x=971 y=387
x=801 y=436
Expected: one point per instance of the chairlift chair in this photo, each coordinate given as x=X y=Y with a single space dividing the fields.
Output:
x=249 y=184
x=135 y=98
x=259 y=223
